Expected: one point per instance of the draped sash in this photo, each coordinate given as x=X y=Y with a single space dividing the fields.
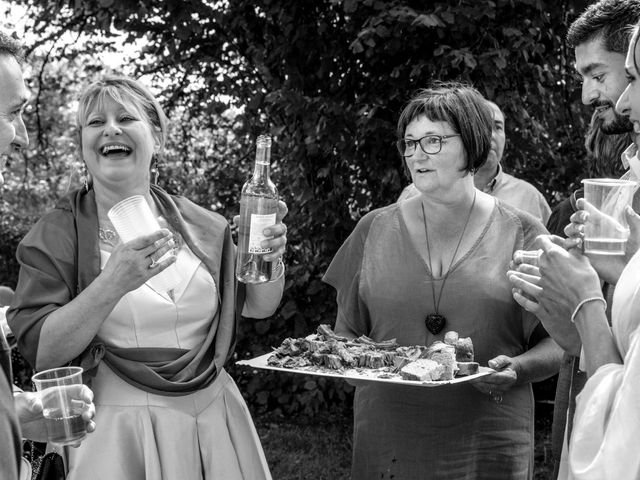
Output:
x=56 y=268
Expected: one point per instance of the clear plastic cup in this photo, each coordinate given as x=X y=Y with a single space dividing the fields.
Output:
x=606 y=231
x=59 y=390
x=530 y=257
x=133 y=218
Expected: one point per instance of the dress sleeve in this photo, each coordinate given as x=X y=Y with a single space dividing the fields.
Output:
x=343 y=274
x=545 y=209
x=604 y=439
x=47 y=279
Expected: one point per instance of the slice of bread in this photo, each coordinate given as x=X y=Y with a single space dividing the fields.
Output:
x=451 y=338
x=448 y=360
x=422 y=370
x=464 y=350
x=467 y=368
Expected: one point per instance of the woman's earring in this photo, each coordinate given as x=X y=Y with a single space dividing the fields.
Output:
x=154 y=172
x=84 y=177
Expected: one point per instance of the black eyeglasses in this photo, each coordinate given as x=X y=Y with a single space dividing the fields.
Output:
x=430 y=144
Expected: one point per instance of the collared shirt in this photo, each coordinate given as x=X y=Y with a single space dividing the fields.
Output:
x=518 y=193
x=509 y=189
x=631 y=162
x=629 y=159
x=629 y=152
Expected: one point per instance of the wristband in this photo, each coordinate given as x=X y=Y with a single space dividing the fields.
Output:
x=585 y=301
x=278 y=270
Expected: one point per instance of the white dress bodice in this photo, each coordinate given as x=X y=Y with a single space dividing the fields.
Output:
x=148 y=318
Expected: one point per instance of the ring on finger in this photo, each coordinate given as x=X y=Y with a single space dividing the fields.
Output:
x=153 y=263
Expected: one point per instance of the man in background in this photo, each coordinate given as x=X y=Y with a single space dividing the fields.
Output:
x=491 y=179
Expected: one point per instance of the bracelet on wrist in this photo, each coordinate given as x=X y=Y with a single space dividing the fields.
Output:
x=583 y=303
x=278 y=270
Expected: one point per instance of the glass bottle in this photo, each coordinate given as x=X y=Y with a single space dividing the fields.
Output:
x=258 y=207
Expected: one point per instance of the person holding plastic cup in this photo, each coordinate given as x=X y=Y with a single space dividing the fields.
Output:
x=604 y=438
x=20 y=412
x=155 y=354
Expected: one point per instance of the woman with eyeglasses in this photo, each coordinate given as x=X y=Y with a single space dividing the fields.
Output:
x=437 y=262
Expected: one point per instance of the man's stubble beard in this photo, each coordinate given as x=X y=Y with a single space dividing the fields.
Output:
x=619 y=125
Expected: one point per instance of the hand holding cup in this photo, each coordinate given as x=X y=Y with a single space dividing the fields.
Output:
x=63 y=405
x=609 y=267
x=133 y=219
x=133 y=263
x=606 y=229
x=550 y=295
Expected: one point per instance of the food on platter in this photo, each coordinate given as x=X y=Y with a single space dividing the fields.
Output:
x=445 y=355
x=464 y=350
x=467 y=368
x=463 y=346
x=327 y=351
x=423 y=370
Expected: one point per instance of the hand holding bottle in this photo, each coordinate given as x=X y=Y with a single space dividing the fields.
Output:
x=261 y=237
x=278 y=233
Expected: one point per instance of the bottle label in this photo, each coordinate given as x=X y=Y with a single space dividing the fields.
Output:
x=258 y=224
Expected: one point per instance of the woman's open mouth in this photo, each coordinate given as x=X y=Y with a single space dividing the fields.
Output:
x=115 y=149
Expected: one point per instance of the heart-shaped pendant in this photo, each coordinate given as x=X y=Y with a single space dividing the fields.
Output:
x=435 y=323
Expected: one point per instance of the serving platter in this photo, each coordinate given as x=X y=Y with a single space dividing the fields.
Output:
x=382 y=375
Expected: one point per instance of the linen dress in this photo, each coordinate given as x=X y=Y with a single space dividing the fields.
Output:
x=604 y=440
x=384 y=291
x=139 y=435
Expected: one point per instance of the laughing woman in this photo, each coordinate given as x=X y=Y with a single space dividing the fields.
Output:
x=165 y=406
x=433 y=263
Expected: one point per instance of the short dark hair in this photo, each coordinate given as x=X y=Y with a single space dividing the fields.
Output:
x=462 y=107
x=10 y=46
x=610 y=20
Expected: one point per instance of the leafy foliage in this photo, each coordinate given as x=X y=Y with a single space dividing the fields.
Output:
x=327 y=78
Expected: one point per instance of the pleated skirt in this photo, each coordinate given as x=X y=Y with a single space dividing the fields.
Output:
x=207 y=435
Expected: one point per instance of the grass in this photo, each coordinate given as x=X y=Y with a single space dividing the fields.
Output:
x=319 y=448
x=316 y=448
x=543 y=466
